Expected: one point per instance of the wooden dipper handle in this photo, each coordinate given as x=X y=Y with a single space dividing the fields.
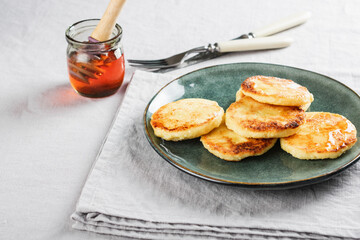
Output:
x=103 y=30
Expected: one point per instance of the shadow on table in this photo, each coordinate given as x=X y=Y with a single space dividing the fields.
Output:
x=61 y=96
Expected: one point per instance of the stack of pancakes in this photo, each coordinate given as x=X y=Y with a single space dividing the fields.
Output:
x=266 y=108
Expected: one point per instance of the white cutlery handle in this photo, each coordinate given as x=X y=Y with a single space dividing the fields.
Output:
x=254 y=44
x=286 y=23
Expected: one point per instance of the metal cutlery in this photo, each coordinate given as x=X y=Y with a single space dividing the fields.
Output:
x=220 y=47
x=245 y=42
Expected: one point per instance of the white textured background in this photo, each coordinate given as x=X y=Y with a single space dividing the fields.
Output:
x=49 y=136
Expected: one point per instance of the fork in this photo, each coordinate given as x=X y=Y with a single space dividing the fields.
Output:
x=219 y=47
x=171 y=61
x=213 y=50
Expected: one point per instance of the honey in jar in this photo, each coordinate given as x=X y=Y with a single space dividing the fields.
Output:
x=96 y=69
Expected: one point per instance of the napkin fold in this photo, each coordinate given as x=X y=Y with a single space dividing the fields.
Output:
x=132 y=192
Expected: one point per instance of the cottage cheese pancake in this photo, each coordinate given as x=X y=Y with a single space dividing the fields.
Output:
x=276 y=91
x=227 y=145
x=186 y=119
x=323 y=135
x=254 y=119
x=239 y=94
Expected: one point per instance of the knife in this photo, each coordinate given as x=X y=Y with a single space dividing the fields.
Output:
x=276 y=27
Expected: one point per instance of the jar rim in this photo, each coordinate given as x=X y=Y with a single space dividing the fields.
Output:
x=72 y=40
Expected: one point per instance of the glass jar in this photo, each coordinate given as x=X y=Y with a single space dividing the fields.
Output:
x=96 y=69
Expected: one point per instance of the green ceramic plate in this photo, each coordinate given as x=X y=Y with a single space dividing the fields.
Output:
x=275 y=169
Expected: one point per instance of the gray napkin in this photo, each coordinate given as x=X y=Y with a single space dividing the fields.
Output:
x=133 y=192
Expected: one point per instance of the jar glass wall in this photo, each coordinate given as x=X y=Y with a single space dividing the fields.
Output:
x=96 y=69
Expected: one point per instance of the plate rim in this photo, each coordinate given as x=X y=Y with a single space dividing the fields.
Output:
x=257 y=185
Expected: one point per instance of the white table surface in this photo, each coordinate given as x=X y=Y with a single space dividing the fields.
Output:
x=50 y=136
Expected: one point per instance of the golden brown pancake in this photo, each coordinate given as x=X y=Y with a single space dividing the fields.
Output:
x=253 y=119
x=186 y=119
x=323 y=135
x=227 y=145
x=277 y=91
x=239 y=94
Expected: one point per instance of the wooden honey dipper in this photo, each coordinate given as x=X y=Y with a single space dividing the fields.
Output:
x=103 y=30
x=82 y=71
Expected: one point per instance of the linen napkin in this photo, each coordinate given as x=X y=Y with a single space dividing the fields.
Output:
x=133 y=192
